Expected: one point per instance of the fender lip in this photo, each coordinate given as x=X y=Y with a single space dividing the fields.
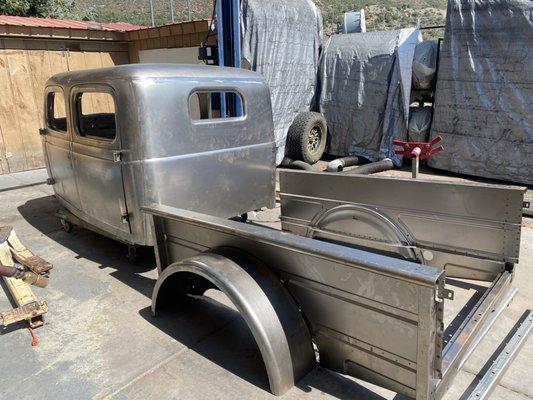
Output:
x=267 y=308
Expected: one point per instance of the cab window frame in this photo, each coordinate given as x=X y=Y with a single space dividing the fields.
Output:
x=50 y=92
x=223 y=92
x=76 y=93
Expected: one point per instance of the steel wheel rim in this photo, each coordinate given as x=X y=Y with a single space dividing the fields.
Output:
x=314 y=138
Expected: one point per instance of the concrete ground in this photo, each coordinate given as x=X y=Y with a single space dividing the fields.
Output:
x=100 y=340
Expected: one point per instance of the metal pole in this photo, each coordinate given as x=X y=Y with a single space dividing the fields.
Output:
x=415 y=160
x=152 y=12
x=172 y=11
x=189 y=9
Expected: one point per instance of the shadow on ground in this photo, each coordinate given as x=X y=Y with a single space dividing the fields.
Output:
x=105 y=252
x=233 y=347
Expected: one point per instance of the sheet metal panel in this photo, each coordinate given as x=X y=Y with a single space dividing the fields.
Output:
x=371 y=316
x=471 y=230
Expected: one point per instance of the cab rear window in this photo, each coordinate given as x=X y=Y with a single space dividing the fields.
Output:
x=207 y=105
x=95 y=115
x=56 y=113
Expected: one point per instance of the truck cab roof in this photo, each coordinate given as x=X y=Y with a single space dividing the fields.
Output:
x=151 y=71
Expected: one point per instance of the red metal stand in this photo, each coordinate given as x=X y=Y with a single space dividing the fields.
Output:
x=417 y=151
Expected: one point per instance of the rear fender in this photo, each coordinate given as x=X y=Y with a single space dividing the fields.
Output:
x=267 y=308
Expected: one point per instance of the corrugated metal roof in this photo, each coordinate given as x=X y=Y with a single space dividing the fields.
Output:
x=67 y=23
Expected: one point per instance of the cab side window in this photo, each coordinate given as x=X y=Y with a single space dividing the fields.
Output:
x=95 y=115
x=56 y=113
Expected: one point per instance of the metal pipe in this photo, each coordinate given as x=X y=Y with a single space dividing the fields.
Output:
x=172 y=11
x=290 y=163
x=372 y=168
x=189 y=9
x=302 y=165
x=152 y=12
x=340 y=163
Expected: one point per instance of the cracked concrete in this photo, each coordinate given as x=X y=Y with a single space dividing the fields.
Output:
x=101 y=342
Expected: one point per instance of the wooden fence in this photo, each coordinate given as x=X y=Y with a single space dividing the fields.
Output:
x=25 y=66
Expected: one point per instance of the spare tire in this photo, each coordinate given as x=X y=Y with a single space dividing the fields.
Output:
x=306 y=139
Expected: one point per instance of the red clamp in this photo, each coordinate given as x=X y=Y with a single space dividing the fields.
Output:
x=420 y=150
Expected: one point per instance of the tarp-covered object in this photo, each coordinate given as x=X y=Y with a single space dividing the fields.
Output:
x=281 y=41
x=425 y=64
x=484 y=94
x=420 y=123
x=353 y=22
x=365 y=88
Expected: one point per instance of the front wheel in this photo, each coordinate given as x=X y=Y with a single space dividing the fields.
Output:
x=306 y=139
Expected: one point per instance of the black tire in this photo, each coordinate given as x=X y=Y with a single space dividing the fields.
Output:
x=306 y=139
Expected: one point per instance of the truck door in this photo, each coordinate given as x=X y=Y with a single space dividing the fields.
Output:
x=96 y=155
x=57 y=143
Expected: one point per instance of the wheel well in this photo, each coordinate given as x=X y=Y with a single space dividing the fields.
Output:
x=267 y=308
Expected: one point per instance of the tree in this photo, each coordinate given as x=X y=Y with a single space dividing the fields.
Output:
x=38 y=8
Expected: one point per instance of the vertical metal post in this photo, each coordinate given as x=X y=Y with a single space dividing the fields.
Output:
x=415 y=165
x=415 y=161
x=189 y=9
x=172 y=11
x=152 y=12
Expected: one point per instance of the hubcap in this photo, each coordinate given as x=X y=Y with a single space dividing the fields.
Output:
x=313 y=143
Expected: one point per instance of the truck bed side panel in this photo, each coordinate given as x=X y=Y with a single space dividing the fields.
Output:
x=371 y=316
x=470 y=230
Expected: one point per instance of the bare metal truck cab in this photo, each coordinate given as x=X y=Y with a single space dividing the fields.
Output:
x=361 y=266
x=118 y=138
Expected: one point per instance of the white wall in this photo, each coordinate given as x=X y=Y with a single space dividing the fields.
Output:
x=185 y=55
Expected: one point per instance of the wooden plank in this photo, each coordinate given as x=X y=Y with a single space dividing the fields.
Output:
x=101 y=102
x=57 y=60
x=26 y=107
x=9 y=120
x=23 y=296
x=30 y=312
x=176 y=29
x=39 y=73
x=114 y=58
x=188 y=27
x=75 y=60
x=134 y=52
x=4 y=168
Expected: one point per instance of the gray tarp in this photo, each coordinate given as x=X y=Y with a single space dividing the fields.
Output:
x=425 y=64
x=281 y=41
x=420 y=123
x=484 y=95
x=365 y=88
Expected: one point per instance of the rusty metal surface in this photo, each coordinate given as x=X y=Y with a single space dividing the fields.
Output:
x=31 y=311
x=13 y=20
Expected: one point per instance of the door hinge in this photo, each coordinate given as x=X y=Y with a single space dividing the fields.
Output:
x=42 y=131
x=125 y=218
x=50 y=181
x=117 y=156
